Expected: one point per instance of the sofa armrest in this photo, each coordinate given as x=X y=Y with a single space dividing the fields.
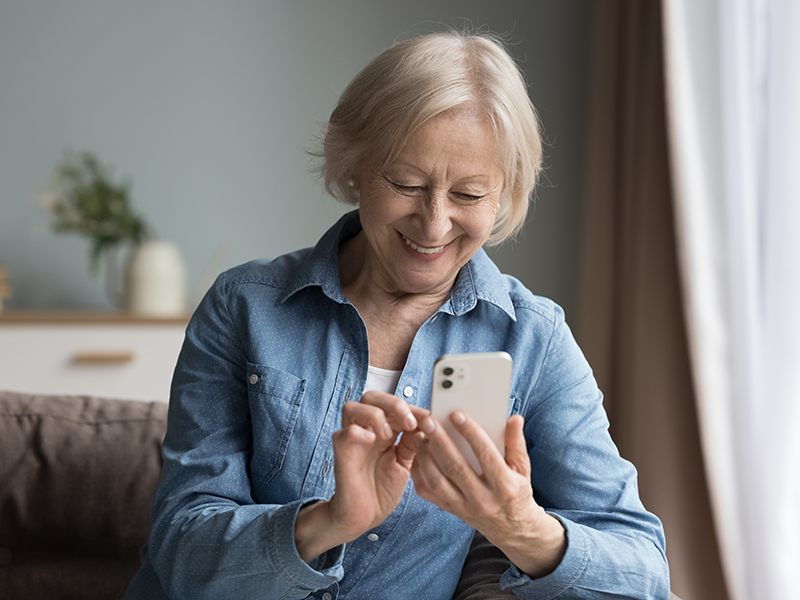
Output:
x=480 y=576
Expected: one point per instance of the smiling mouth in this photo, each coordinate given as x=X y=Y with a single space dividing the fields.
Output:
x=422 y=249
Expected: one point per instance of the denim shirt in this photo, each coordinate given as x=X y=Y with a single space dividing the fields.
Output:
x=270 y=357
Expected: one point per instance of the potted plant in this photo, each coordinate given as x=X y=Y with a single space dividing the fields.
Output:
x=87 y=201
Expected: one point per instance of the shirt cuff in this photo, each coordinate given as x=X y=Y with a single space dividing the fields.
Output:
x=282 y=552
x=566 y=574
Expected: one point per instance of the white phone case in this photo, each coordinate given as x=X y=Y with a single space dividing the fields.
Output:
x=479 y=385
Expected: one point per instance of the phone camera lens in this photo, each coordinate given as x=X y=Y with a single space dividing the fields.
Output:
x=448 y=371
x=447 y=384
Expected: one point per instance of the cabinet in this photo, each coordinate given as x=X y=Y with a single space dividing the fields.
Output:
x=107 y=355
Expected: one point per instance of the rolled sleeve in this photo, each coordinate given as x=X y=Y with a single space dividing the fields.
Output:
x=282 y=553
x=597 y=564
x=563 y=578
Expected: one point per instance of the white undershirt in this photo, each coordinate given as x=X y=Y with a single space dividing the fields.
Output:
x=382 y=380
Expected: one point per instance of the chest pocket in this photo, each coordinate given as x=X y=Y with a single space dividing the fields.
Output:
x=274 y=397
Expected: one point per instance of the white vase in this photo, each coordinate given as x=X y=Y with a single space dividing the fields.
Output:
x=155 y=280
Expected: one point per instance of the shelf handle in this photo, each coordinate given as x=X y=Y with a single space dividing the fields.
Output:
x=102 y=357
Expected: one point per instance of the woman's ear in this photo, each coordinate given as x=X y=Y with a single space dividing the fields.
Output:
x=353 y=183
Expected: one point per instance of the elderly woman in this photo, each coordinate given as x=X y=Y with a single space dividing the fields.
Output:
x=300 y=459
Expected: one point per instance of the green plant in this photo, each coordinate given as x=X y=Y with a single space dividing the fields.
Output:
x=88 y=202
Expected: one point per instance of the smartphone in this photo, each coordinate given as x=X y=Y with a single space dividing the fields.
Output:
x=479 y=385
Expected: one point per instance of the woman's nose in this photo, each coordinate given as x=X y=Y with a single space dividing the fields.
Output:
x=434 y=216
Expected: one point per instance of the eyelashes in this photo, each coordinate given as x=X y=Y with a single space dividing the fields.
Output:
x=407 y=189
x=416 y=189
x=470 y=197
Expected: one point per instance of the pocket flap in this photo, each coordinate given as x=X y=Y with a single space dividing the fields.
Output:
x=269 y=381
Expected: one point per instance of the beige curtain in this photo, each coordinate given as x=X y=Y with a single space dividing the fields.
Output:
x=631 y=324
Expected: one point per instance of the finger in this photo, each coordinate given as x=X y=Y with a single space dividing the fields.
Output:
x=452 y=463
x=353 y=435
x=351 y=449
x=430 y=482
x=406 y=449
x=418 y=412
x=367 y=417
x=516 y=448
x=484 y=448
x=398 y=413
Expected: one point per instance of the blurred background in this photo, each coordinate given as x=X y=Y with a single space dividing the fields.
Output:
x=209 y=109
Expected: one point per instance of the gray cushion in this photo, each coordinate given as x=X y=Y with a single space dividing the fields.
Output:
x=77 y=477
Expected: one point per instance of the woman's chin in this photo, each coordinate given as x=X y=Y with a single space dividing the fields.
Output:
x=424 y=283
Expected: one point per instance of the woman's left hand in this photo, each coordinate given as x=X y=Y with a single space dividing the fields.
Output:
x=499 y=503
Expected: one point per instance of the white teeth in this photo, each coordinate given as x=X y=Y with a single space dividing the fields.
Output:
x=420 y=249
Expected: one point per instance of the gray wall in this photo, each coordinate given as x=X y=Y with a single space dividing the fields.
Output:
x=209 y=107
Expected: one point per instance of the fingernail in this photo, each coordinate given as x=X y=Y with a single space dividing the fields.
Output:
x=419 y=440
x=428 y=425
x=411 y=422
x=458 y=417
x=387 y=431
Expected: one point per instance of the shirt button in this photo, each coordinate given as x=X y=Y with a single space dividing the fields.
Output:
x=372 y=537
x=326 y=596
x=408 y=391
x=253 y=379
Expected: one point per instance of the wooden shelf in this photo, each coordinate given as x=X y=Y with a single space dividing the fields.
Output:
x=105 y=354
x=86 y=318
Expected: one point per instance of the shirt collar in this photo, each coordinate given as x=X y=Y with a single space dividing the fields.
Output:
x=479 y=279
x=321 y=266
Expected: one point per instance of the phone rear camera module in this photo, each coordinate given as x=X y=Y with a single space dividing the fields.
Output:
x=447 y=384
x=448 y=371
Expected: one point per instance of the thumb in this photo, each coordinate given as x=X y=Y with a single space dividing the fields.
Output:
x=516 y=448
x=406 y=449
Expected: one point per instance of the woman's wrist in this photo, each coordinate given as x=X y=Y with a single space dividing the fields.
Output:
x=538 y=550
x=314 y=532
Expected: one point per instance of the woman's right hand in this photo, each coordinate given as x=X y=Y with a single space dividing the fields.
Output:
x=371 y=473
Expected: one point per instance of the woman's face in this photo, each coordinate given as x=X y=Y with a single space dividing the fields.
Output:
x=429 y=211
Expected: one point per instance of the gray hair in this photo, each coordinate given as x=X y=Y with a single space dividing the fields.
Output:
x=418 y=79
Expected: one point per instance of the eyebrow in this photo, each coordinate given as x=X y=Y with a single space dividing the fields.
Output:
x=416 y=168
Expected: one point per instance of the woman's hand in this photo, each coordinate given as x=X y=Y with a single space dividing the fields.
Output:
x=499 y=503
x=371 y=473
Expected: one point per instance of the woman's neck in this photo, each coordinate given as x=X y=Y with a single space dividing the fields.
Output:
x=392 y=318
x=368 y=288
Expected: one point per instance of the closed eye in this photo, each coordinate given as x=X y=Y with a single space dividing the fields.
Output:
x=469 y=197
x=417 y=189
x=406 y=189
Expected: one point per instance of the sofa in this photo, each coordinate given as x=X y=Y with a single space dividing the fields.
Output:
x=77 y=478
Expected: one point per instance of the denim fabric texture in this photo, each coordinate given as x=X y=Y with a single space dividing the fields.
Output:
x=270 y=357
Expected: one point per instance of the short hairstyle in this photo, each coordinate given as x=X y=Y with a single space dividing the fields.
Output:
x=418 y=79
